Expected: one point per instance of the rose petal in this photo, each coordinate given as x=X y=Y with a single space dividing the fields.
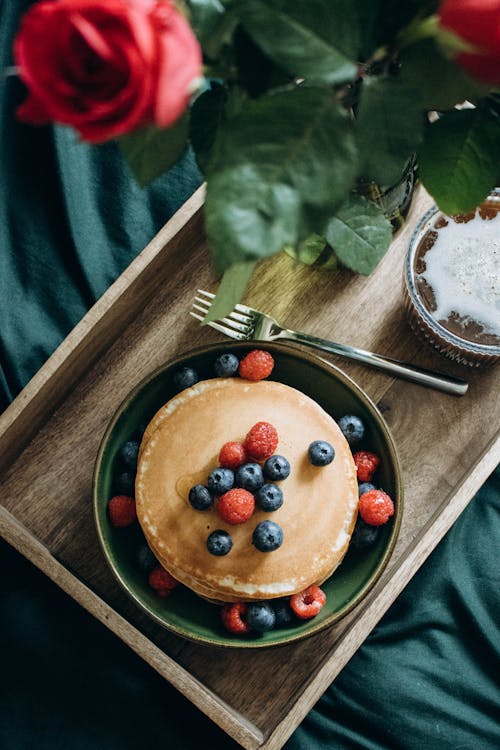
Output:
x=179 y=65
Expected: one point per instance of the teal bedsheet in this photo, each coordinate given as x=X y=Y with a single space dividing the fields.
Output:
x=428 y=677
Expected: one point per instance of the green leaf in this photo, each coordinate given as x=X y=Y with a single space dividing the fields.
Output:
x=231 y=290
x=389 y=127
x=394 y=15
x=300 y=137
x=213 y=24
x=368 y=11
x=307 y=39
x=314 y=251
x=257 y=73
x=458 y=161
x=284 y=157
x=247 y=217
x=207 y=116
x=150 y=151
x=360 y=234
x=441 y=84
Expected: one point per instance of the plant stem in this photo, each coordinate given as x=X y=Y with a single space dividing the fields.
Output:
x=418 y=29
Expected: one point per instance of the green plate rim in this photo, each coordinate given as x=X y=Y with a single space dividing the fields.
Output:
x=332 y=370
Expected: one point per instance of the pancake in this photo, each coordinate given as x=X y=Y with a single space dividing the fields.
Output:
x=180 y=448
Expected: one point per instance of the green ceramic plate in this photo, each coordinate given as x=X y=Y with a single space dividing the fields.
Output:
x=185 y=613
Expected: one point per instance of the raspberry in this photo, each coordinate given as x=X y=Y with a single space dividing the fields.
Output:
x=161 y=581
x=375 y=507
x=236 y=506
x=308 y=603
x=257 y=365
x=261 y=441
x=366 y=465
x=121 y=509
x=232 y=455
x=234 y=618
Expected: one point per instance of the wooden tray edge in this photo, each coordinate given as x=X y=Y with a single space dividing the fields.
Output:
x=236 y=725
x=385 y=593
x=81 y=347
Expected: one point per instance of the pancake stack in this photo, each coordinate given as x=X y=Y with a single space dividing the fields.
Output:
x=180 y=448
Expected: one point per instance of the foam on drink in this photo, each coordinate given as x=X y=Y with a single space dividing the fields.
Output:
x=463 y=269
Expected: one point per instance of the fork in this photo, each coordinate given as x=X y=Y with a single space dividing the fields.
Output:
x=246 y=324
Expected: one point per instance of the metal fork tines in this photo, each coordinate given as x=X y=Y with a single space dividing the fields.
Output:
x=245 y=323
x=240 y=324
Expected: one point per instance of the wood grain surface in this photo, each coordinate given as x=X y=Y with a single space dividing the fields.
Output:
x=49 y=439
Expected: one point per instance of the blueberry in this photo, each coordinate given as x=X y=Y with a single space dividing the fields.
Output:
x=129 y=453
x=199 y=497
x=220 y=481
x=365 y=487
x=219 y=543
x=226 y=365
x=145 y=559
x=185 y=378
x=269 y=497
x=364 y=535
x=276 y=468
x=260 y=616
x=249 y=477
x=353 y=428
x=125 y=484
x=321 y=453
x=267 y=536
x=283 y=613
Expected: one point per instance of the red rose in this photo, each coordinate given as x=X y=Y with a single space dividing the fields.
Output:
x=476 y=22
x=106 y=67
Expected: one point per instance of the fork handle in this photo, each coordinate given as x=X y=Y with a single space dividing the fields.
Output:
x=448 y=384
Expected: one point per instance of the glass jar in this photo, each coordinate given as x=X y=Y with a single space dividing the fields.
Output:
x=395 y=200
x=452 y=298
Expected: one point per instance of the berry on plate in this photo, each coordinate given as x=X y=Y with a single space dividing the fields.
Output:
x=129 y=453
x=276 y=468
x=121 y=510
x=353 y=428
x=236 y=506
x=219 y=543
x=365 y=487
x=261 y=617
x=269 y=497
x=226 y=365
x=267 y=536
x=125 y=483
x=250 y=477
x=145 y=558
x=308 y=603
x=366 y=465
x=161 y=581
x=200 y=497
x=184 y=378
x=256 y=365
x=375 y=507
x=364 y=535
x=232 y=455
x=261 y=441
x=321 y=453
x=234 y=618
x=220 y=480
x=282 y=612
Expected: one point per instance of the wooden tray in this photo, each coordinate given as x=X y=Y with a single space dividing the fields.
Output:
x=50 y=435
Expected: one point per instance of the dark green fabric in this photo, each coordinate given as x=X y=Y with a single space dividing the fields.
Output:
x=427 y=678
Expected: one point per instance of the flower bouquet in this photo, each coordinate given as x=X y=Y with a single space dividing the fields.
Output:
x=288 y=106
